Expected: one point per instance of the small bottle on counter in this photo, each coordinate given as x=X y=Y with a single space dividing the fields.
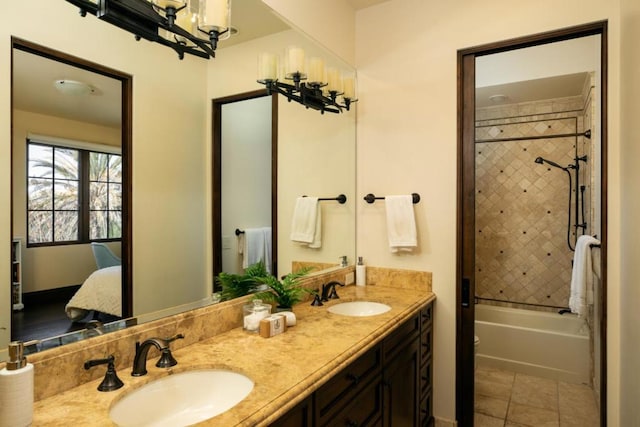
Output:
x=16 y=389
x=361 y=273
x=254 y=313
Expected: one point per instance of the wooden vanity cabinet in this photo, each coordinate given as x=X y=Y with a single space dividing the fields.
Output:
x=389 y=385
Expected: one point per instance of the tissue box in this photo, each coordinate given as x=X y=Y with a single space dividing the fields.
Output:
x=273 y=325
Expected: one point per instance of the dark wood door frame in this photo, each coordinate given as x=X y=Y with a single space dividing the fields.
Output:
x=126 y=127
x=216 y=174
x=465 y=266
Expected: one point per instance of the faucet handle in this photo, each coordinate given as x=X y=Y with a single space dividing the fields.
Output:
x=166 y=358
x=111 y=381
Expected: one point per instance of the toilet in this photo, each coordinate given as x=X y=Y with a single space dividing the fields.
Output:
x=476 y=344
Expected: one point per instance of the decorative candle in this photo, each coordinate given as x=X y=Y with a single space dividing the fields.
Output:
x=316 y=70
x=295 y=60
x=334 y=80
x=349 y=87
x=214 y=15
x=267 y=67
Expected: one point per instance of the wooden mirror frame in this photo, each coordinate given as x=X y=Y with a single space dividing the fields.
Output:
x=126 y=138
x=216 y=176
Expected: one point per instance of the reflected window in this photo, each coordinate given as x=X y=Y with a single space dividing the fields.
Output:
x=74 y=195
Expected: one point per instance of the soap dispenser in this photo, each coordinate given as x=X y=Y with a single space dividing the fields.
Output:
x=16 y=389
x=361 y=273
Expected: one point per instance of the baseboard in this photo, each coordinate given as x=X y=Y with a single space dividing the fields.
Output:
x=63 y=294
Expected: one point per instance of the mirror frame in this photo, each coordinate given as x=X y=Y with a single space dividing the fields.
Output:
x=126 y=81
x=465 y=266
x=216 y=176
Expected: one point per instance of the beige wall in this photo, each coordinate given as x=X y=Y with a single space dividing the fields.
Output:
x=630 y=146
x=407 y=128
x=329 y=22
x=168 y=146
x=55 y=266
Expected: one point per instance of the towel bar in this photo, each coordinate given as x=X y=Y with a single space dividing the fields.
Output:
x=341 y=198
x=370 y=198
x=239 y=232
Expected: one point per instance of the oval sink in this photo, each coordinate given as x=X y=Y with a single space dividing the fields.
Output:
x=359 y=308
x=181 y=399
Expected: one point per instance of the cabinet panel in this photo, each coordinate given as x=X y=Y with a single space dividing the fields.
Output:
x=426 y=411
x=395 y=342
x=365 y=410
x=345 y=385
x=400 y=380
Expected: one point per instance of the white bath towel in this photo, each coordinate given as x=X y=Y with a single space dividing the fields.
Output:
x=582 y=268
x=257 y=247
x=306 y=225
x=401 y=223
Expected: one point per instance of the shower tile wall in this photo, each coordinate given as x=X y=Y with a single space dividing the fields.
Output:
x=521 y=206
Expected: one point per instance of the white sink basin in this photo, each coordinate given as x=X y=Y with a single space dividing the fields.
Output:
x=359 y=308
x=181 y=399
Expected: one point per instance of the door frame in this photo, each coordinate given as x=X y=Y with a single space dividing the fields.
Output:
x=216 y=175
x=465 y=250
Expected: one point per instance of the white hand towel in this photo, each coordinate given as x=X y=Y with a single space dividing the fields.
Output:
x=306 y=225
x=401 y=223
x=582 y=268
x=268 y=245
x=257 y=246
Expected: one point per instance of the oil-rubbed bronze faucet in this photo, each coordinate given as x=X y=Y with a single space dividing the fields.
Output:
x=111 y=381
x=166 y=359
x=329 y=290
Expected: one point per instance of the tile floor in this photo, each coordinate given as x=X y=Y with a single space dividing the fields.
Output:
x=508 y=399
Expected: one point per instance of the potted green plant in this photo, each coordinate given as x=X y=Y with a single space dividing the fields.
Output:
x=237 y=285
x=284 y=293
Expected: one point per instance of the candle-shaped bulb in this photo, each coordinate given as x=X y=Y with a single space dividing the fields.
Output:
x=316 y=71
x=267 y=67
x=214 y=15
x=334 y=80
x=295 y=62
x=349 y=84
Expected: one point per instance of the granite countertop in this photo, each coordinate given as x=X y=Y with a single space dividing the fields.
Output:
x=285 y=368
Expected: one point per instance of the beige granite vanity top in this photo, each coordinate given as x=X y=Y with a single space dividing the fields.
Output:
x=285 y=369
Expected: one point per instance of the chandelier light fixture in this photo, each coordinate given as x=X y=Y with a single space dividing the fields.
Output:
x=186 y=26
x=310 y=82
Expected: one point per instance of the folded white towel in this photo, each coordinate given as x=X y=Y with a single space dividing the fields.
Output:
x=257 y=247
x=306 y=225
x=401 y=223
x=582 y=268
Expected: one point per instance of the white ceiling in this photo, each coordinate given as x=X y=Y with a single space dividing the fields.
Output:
x=33 y=90
x=533 y=90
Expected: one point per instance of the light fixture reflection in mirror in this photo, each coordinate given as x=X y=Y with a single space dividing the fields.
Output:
x=325 y=90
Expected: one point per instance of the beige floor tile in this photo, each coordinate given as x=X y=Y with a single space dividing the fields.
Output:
x=481 y=420
x=535 y=391
x=512 y=424
x=491 y=406
x=577 y=405
x=494 y=375
x=493 y=389
x=532 y=416
x=577 y=420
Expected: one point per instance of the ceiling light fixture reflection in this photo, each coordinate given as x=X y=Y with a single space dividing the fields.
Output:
x=73 y=87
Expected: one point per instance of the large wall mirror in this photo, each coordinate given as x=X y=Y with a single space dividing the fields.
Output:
x=170 y=235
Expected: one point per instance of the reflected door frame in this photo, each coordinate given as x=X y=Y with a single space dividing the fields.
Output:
x=465 y=266
x=126 y=81
x=216 y=175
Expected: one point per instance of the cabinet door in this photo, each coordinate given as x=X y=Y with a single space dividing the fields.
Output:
x=300 y=416
x=401 y=387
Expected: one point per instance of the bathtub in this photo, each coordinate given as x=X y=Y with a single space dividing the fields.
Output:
x=538 y=343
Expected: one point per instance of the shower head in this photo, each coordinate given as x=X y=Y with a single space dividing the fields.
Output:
x=541 y=160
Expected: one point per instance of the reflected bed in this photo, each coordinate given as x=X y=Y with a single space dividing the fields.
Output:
x=102 y=291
